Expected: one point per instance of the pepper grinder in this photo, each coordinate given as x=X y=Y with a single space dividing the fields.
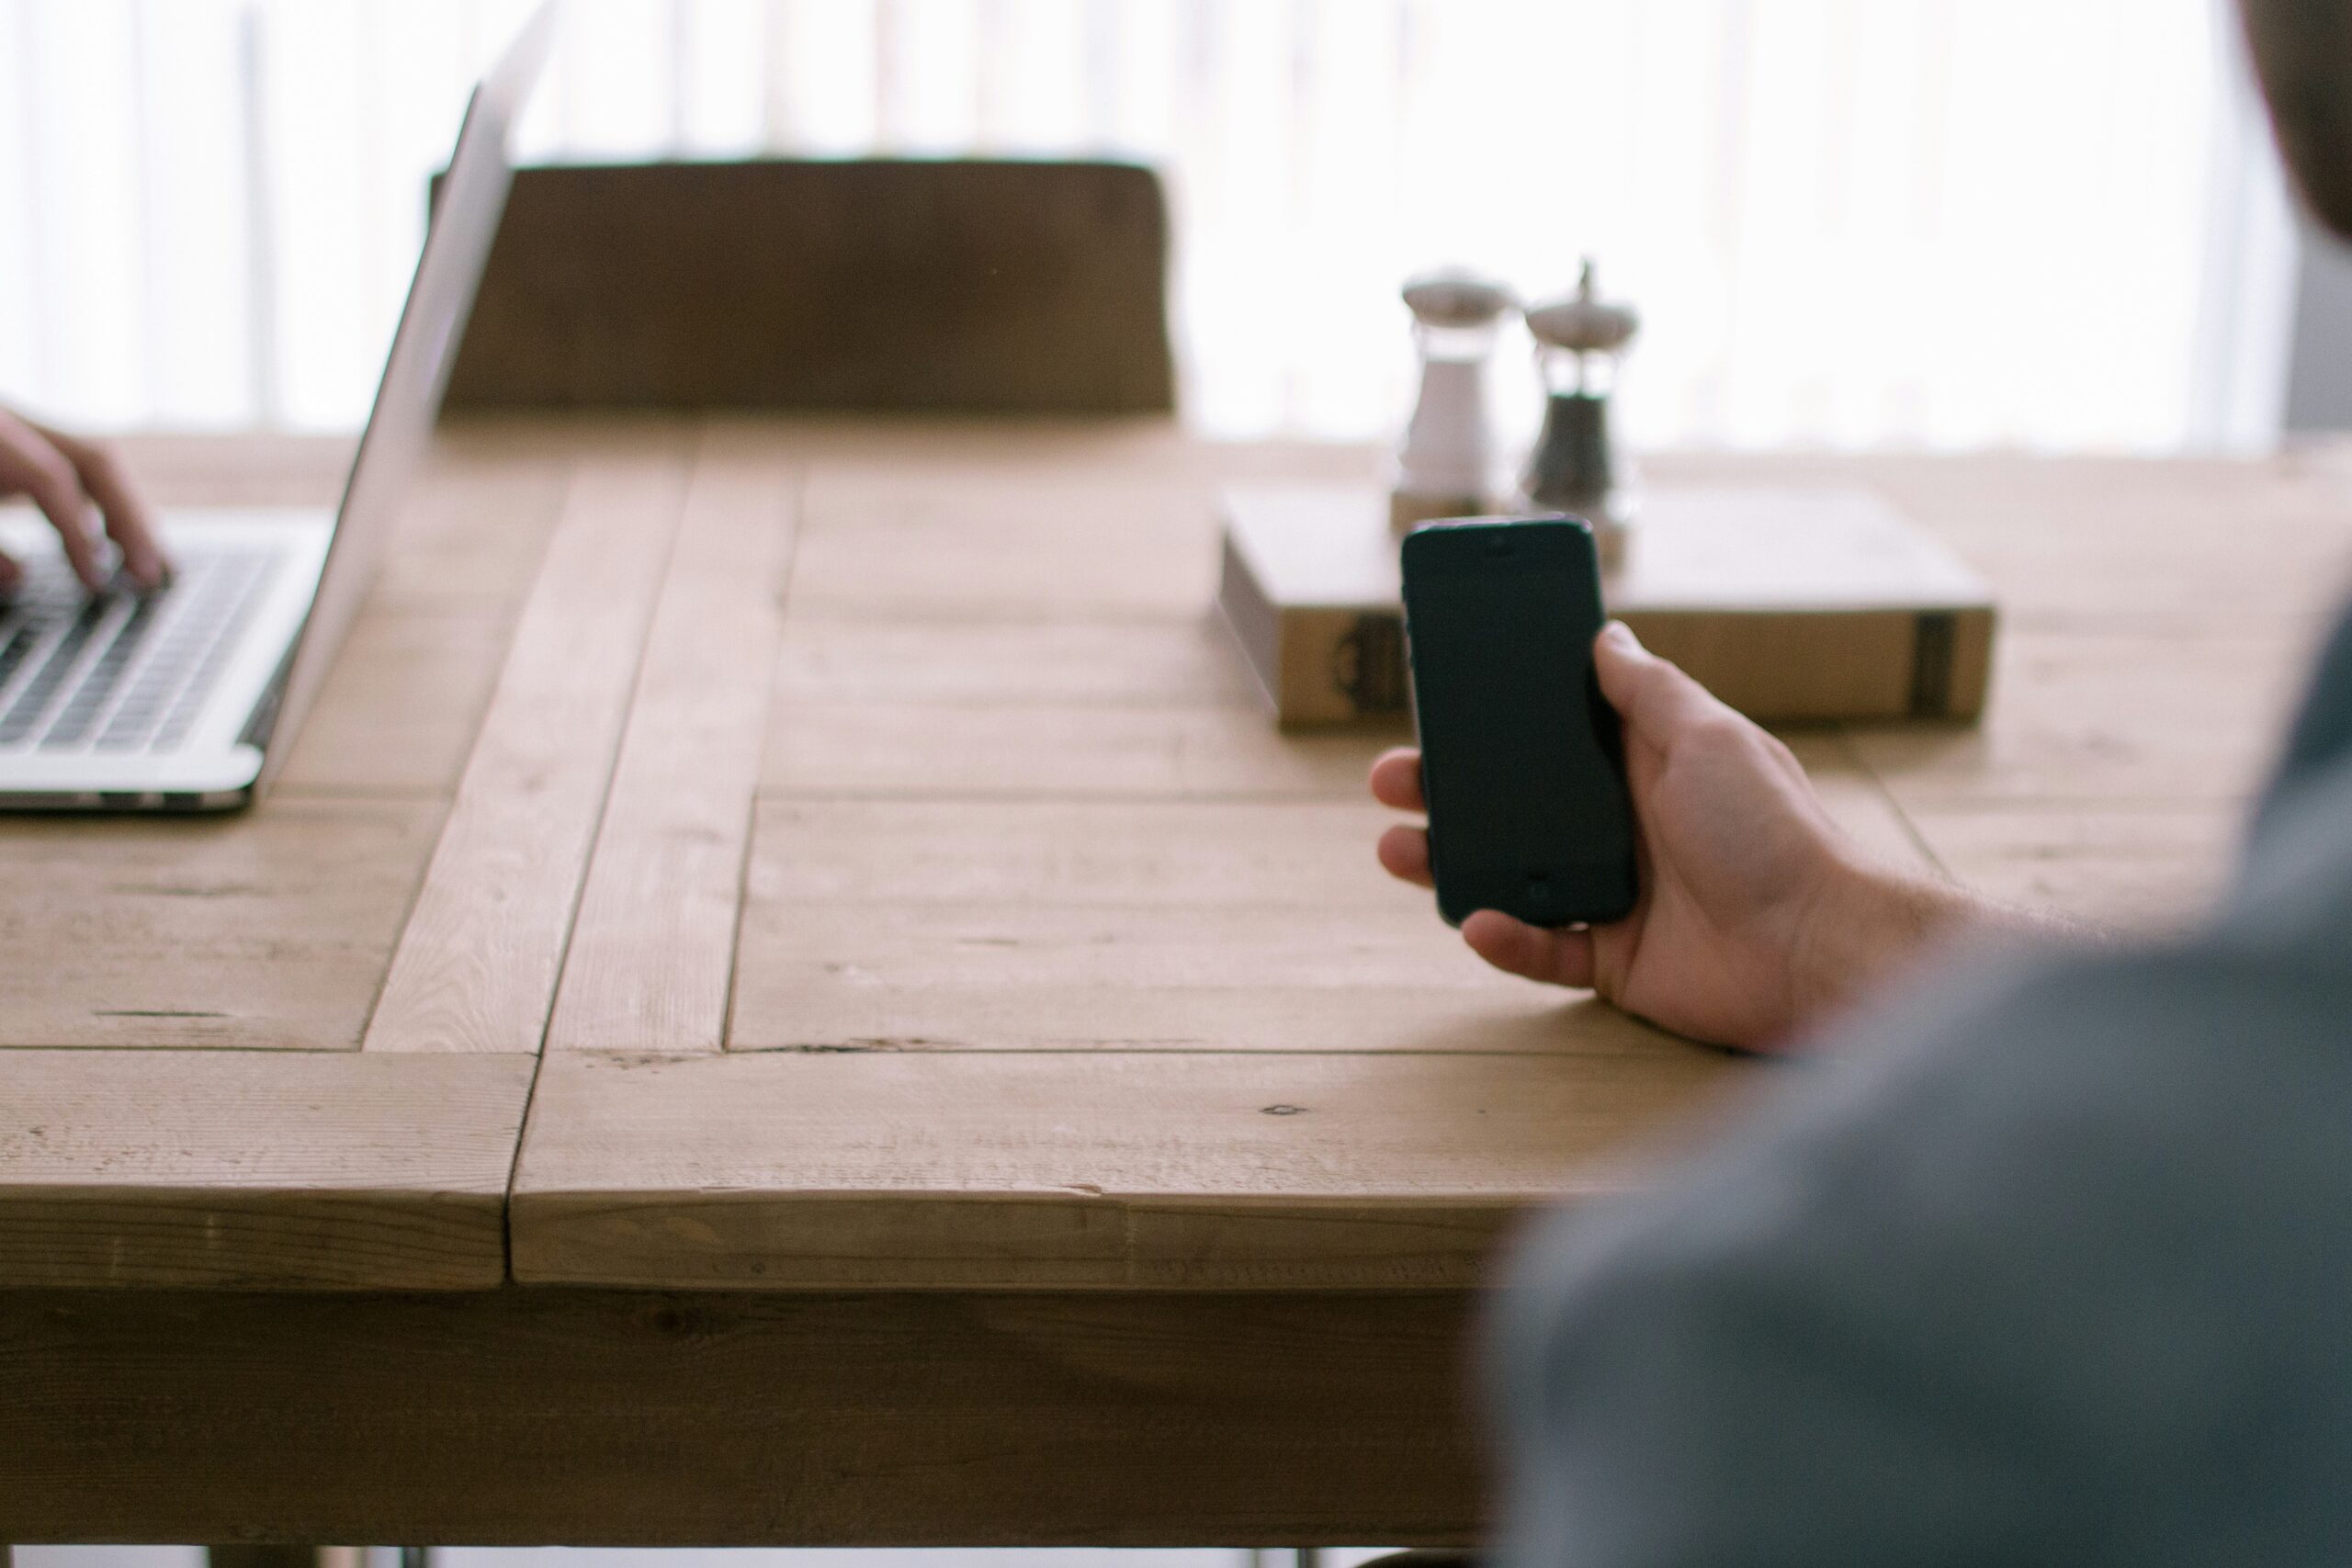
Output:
x=1445 y=468
x=1580 y=341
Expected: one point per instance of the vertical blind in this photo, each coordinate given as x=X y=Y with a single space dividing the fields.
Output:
x=1847 y=222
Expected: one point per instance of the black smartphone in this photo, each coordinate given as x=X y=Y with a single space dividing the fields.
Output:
x=1521 y=757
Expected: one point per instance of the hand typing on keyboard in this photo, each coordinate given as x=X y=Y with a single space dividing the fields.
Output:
x=70 y=478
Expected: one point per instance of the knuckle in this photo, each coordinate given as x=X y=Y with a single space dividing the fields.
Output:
x=100 y=463
x=1661 y=682
x=1718 y=734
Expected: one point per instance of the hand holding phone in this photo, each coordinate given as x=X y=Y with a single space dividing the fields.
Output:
x=1522 y=766
x=1758 y=918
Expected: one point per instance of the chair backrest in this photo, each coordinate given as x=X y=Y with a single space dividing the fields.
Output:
x=976 y=286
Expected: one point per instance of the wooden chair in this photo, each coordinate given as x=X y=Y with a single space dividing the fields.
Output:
x=879 y=285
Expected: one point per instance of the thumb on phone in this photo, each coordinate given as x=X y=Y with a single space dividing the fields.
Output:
x=1656 y=699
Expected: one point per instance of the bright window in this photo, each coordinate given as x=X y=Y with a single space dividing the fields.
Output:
x=2050 y=223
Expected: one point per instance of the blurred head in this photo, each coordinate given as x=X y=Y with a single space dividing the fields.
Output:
x=2303 y=50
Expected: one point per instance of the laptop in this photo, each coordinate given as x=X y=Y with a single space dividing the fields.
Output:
x=188 y=699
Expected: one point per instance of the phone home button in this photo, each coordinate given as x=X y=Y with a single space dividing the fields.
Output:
x=1539 y=889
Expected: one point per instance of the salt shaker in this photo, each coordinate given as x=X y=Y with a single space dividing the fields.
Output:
x=1445 y=468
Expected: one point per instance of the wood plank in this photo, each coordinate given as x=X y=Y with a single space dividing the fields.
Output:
x=270 y=929
x=1078 y=751
x=1131 y=663
x=2091 y=712
x=2125 y=540
x=1860 y=804
x=476 y=968
x=401 y=704
x=621 y=1419
x=1033 y=543
x=2210 y=542
x=1047 y=751
x=1304 y=854
x=1181 y=1170
x=2129 y=866
x=277 y=1170
x=477 y=520
x=947 y=922
x=794 y=1008
x=653 y=947
x=923 y=925
x=1076 y=925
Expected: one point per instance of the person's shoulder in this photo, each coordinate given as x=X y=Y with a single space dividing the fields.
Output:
x=2291 y=901
x=2075 y=1220
x=2318 y=744
x=2028 y=1152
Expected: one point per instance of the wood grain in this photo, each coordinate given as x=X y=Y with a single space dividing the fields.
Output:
x=1480 y=1012
x=975 y=978
x=1170 y=1170
x=1073 y=924
x=401 y=706
x=2095 y=535
x=1021 y=541
x=653 y=945
x=1047 y=751
x=2105 y=713
x=1858 y=802
x=1128 y=663
x=1079 y=750
x=1305 y=855
x=477 y=966
x=2215 y=545
x=477 y=520
x=1059 y=972
x=255 y=1169
x=272 y=928
x=618 y=1418
x=2126 y=865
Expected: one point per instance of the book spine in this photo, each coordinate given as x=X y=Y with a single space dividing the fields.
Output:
x=1258 y=628
x=1330 y=666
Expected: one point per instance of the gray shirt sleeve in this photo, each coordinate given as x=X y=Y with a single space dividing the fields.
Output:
x=2051 y=1265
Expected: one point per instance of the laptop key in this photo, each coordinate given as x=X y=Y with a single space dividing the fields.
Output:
x=72 y=724
x=25 y=711
x=12 y=653
x=117 y=674
x=248 y=586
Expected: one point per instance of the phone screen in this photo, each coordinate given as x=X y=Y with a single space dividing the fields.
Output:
x=1528 y=807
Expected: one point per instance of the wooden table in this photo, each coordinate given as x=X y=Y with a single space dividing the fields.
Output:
x=788 y=996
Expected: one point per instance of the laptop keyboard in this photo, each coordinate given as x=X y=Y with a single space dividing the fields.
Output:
x=121 y=672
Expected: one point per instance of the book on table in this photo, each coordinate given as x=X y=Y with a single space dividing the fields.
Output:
x=1792 y=603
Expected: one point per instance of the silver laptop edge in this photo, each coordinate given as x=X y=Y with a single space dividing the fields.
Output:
x=290 y=614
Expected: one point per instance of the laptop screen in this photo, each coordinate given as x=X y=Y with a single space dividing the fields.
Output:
x=416 y=372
